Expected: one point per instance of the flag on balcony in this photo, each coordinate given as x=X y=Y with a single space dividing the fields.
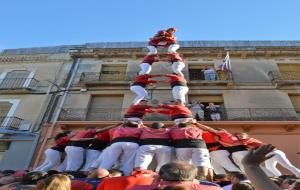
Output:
x=225 y=66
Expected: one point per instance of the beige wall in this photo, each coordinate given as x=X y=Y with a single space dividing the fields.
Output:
x=29 y=107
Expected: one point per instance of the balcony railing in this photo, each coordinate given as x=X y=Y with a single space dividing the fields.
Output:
x=230 y=114
x=14 y=123
x=284 y=77
x=96 y=77
x=18 y=83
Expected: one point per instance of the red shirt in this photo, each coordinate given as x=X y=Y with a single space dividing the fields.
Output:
x=193 y=133
x=174 y=57
x=124 y=132
x=138 y=111
x=228 y=139
x=63 y=141
x=175 y=111
x=103 y=136
x=150 y=59
x=90 y=133
x=211 y=143
x=143 y=80
x=189 y=184
x=124 y=182
x=176 y=80
x=252 y=143
x=163 y=38
x=149 y=133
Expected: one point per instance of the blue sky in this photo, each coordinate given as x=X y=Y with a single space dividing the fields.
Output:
x=34 y=23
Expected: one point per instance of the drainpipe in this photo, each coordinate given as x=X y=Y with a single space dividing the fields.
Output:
x=68 y=84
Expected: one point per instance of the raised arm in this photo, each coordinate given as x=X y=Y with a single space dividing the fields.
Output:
x=253 y=171
x=206 y=128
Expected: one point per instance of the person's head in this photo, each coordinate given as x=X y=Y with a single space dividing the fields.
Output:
x=32 y=177
x=171 y=30
x=143 y=102
x=131 y=124
x=115 y=173
x=178 y=171
x=220 y=178
x=57 y=182
x=61 y=134
x=242 y=186
x=177 y=102
x=295 y=185
x=241 y=136
x=211 y=104
x=237 y=177
x=287 y=183
x=157 y=125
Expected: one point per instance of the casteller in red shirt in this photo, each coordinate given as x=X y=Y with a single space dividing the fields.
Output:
x=175 y=111
x=150 y=59
x=164 y=38
x=142 y=177
x=138 y=111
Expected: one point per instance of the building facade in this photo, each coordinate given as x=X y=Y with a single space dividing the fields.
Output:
x=260 y=96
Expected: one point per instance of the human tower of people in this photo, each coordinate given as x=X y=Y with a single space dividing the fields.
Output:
x=131 y=145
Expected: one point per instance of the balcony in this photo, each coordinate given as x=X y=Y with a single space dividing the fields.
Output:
x=196 y=77
x=109 y=78
x=284 y=78
x=18 y=84
x=116 y=78
x=230 y=114
x=14 y=123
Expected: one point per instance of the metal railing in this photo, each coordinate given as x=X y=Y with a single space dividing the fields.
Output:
x=14 y=123
x=92 y=77
x=230 y=114
x=198 y=74
x=18 y=83
x=284 y=75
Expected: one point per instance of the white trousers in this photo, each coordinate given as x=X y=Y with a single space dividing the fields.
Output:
x=62 y=167
x=152 y=50
x=123 y=151
x=52 y=159
x=179 y=92
x=90 y=158
x=146 y=153
x=171 y=49
x=280 y=158
x=221 y=157
x=218 y=169
x=74 y=157
x=177 y=67
x=145 y=68
x=140 y=92
x=195 y=156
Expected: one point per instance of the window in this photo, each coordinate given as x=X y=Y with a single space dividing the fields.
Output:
x=113 y=72
x=7 y=109
x=295 y=99
x=4 y=146
x=289 y=71
x=105 y=107
x=16 y=79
